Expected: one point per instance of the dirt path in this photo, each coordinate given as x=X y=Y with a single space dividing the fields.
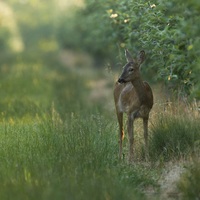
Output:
x=100 y=86
x=168 y=181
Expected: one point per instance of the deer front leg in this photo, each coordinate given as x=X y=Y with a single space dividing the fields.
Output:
x=121 y=132
x=131 y=136
x=145 y=125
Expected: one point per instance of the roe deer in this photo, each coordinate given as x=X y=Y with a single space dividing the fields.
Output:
x=134 y=97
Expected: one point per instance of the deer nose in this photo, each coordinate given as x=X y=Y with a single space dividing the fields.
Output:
x=121 y=80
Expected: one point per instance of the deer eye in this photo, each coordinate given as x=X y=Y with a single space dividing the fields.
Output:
x=131 y=69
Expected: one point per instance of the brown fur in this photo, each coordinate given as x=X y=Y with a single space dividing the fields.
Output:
x=134 y=97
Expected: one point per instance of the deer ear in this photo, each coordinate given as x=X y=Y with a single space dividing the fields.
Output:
x=128 y=56
x=141 y=57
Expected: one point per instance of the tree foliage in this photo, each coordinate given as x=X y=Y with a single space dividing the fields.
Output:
x=167 y=30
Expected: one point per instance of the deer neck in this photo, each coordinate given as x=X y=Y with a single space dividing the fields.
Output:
x=140 y=89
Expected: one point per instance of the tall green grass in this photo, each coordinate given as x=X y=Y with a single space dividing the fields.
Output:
x=174 y=137
x=73 y=160
x=54 y=144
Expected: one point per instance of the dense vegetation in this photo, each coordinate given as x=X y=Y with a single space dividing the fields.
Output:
x=59 y=142
x=167 y=30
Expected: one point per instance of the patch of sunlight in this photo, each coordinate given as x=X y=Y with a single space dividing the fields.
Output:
x=37 y=68
x=8 y=21
x=48 y=45
x=27 y=176
x=190 y=47
x=27 y=119
x=11 y=121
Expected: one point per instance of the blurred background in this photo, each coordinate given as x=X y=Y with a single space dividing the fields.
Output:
x=69 y=53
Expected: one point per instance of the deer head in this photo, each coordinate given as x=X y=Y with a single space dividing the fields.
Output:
x=131 y=70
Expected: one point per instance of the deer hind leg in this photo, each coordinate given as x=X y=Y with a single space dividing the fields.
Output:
x=131 y=136
x=121 y=132
x=145 y=125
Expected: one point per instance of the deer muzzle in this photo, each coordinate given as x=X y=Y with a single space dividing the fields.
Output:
x=121 y=80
